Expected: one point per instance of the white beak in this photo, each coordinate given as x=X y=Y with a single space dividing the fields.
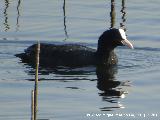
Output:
x=127 y=43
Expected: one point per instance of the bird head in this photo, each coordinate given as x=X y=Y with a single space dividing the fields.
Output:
x=113 y=38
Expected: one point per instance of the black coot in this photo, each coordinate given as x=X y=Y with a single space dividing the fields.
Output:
x=72 y=55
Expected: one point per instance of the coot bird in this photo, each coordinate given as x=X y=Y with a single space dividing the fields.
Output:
x=73 y=55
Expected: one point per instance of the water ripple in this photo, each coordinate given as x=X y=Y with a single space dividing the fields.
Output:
x=139 y=60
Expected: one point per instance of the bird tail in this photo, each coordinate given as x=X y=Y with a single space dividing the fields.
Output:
x=21 y=55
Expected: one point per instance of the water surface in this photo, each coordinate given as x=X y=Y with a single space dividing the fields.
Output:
x=76 y=94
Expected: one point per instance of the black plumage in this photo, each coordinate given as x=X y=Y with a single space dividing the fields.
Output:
x=74 y=55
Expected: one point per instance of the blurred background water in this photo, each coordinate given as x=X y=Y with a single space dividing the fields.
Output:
x=76 y=94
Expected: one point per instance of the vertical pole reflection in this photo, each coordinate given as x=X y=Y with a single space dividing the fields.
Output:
x=6 y=25
x=112 y=13
x=64 y=16
x=18 y=15
x=122 y=24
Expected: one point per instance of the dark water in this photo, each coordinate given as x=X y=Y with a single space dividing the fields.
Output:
x=76 y=94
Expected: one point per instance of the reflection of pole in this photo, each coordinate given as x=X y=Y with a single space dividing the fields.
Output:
x=64 y=14
x=7 y=27
x=18 y=14
x=112 y=13
x=32 y=105
x=122 y=24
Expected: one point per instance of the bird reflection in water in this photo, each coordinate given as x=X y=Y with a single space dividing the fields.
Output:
x=111 y=88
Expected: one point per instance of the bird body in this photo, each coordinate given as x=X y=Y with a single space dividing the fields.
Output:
x=73 y=55
x=60 y=55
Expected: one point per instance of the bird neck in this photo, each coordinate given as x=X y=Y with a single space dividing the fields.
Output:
x=106 y=56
